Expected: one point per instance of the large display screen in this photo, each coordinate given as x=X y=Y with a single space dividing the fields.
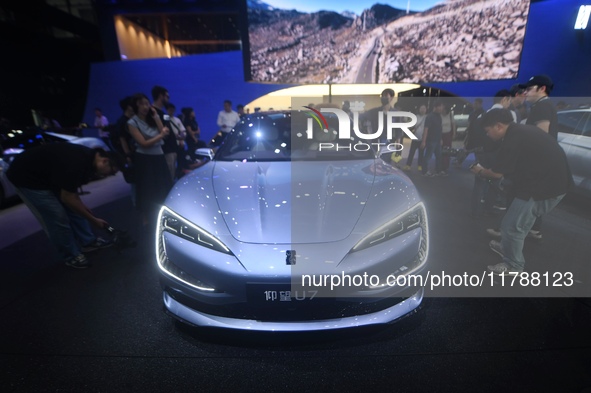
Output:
x=413 y=41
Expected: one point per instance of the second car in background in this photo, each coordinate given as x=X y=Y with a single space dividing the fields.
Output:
x=574 y=135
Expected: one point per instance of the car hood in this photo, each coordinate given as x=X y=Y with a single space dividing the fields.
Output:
x=291 y=202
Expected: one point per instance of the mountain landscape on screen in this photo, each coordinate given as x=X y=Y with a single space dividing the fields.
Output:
x=454 y=40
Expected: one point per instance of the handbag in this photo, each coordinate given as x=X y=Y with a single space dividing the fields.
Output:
x=129 y=173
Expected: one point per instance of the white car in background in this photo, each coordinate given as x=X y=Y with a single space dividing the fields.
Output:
x=461 y=121
x=574 y=135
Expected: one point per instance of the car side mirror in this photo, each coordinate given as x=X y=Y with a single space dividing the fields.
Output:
x=204 y=152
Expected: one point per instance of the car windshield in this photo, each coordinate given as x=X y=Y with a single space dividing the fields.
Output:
x=284 y=137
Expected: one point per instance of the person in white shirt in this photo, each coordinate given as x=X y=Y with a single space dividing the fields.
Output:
x=227 y=118
x=100 y=122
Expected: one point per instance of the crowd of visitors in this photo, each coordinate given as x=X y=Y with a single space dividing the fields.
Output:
x=519 y=165
x=521 y=172
x=159 y=145
x=520 y=159
x=148 y=143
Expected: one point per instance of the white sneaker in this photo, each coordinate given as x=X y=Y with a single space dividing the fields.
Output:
x=536 y=235
x=78 y=262
x=502 y=269
x=496 y=246
x=494 y=232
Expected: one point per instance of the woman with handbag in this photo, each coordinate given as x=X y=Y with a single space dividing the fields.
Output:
x=152 y=177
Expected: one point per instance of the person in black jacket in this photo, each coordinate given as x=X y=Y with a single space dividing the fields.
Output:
x=47 y=179
x=537 y=167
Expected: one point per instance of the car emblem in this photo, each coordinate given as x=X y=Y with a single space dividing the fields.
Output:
x=290 y=257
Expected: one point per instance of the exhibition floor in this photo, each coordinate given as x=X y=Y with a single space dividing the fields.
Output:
x=104 y=329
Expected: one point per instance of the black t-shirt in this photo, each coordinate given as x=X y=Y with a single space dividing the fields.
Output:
x=192 y=123
x=120 y=130
x=434 y=127
x=534 y=162
x=542 y=110
x=372 y=118
x=53 y=167
x=475 y=114
x=170 y=145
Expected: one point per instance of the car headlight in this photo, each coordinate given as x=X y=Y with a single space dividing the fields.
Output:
x=412 y=219
x=169 y=221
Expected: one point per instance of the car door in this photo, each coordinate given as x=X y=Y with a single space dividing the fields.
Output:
x=579 y=154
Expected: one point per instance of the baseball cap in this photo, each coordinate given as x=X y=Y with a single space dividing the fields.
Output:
x=515 y=89
x=538 y=80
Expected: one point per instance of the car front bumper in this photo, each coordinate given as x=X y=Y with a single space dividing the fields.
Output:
x=400 y=308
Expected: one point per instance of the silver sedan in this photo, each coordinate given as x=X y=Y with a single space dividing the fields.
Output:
x=278 y=234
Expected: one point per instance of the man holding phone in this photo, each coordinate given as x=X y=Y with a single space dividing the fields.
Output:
x=537 y=167
x=47 y=179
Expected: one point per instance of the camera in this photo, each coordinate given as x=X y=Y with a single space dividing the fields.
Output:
x=121 y=239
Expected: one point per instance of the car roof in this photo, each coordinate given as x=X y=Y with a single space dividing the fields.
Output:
x=575 y=110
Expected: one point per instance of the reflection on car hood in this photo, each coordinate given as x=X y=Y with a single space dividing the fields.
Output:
x=292 y=202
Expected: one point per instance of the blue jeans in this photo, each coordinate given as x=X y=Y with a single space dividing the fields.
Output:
x=518 y=220
x=414 y=146
x=483 y=189
x=432 y=147
x=66 y=229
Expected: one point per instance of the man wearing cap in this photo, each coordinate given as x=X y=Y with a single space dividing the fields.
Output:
x=543 y=112
x=47 y=179
x=542 y=115
x=540 y=175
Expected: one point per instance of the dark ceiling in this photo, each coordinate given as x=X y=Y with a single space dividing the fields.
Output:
x=194 y=26
x=193 y=32
x=41 y=37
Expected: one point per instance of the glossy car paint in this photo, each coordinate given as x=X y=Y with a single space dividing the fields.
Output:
x=260 y=210
x=575 y=139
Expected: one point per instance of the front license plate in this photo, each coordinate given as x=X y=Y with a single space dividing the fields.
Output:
x=277 y=294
